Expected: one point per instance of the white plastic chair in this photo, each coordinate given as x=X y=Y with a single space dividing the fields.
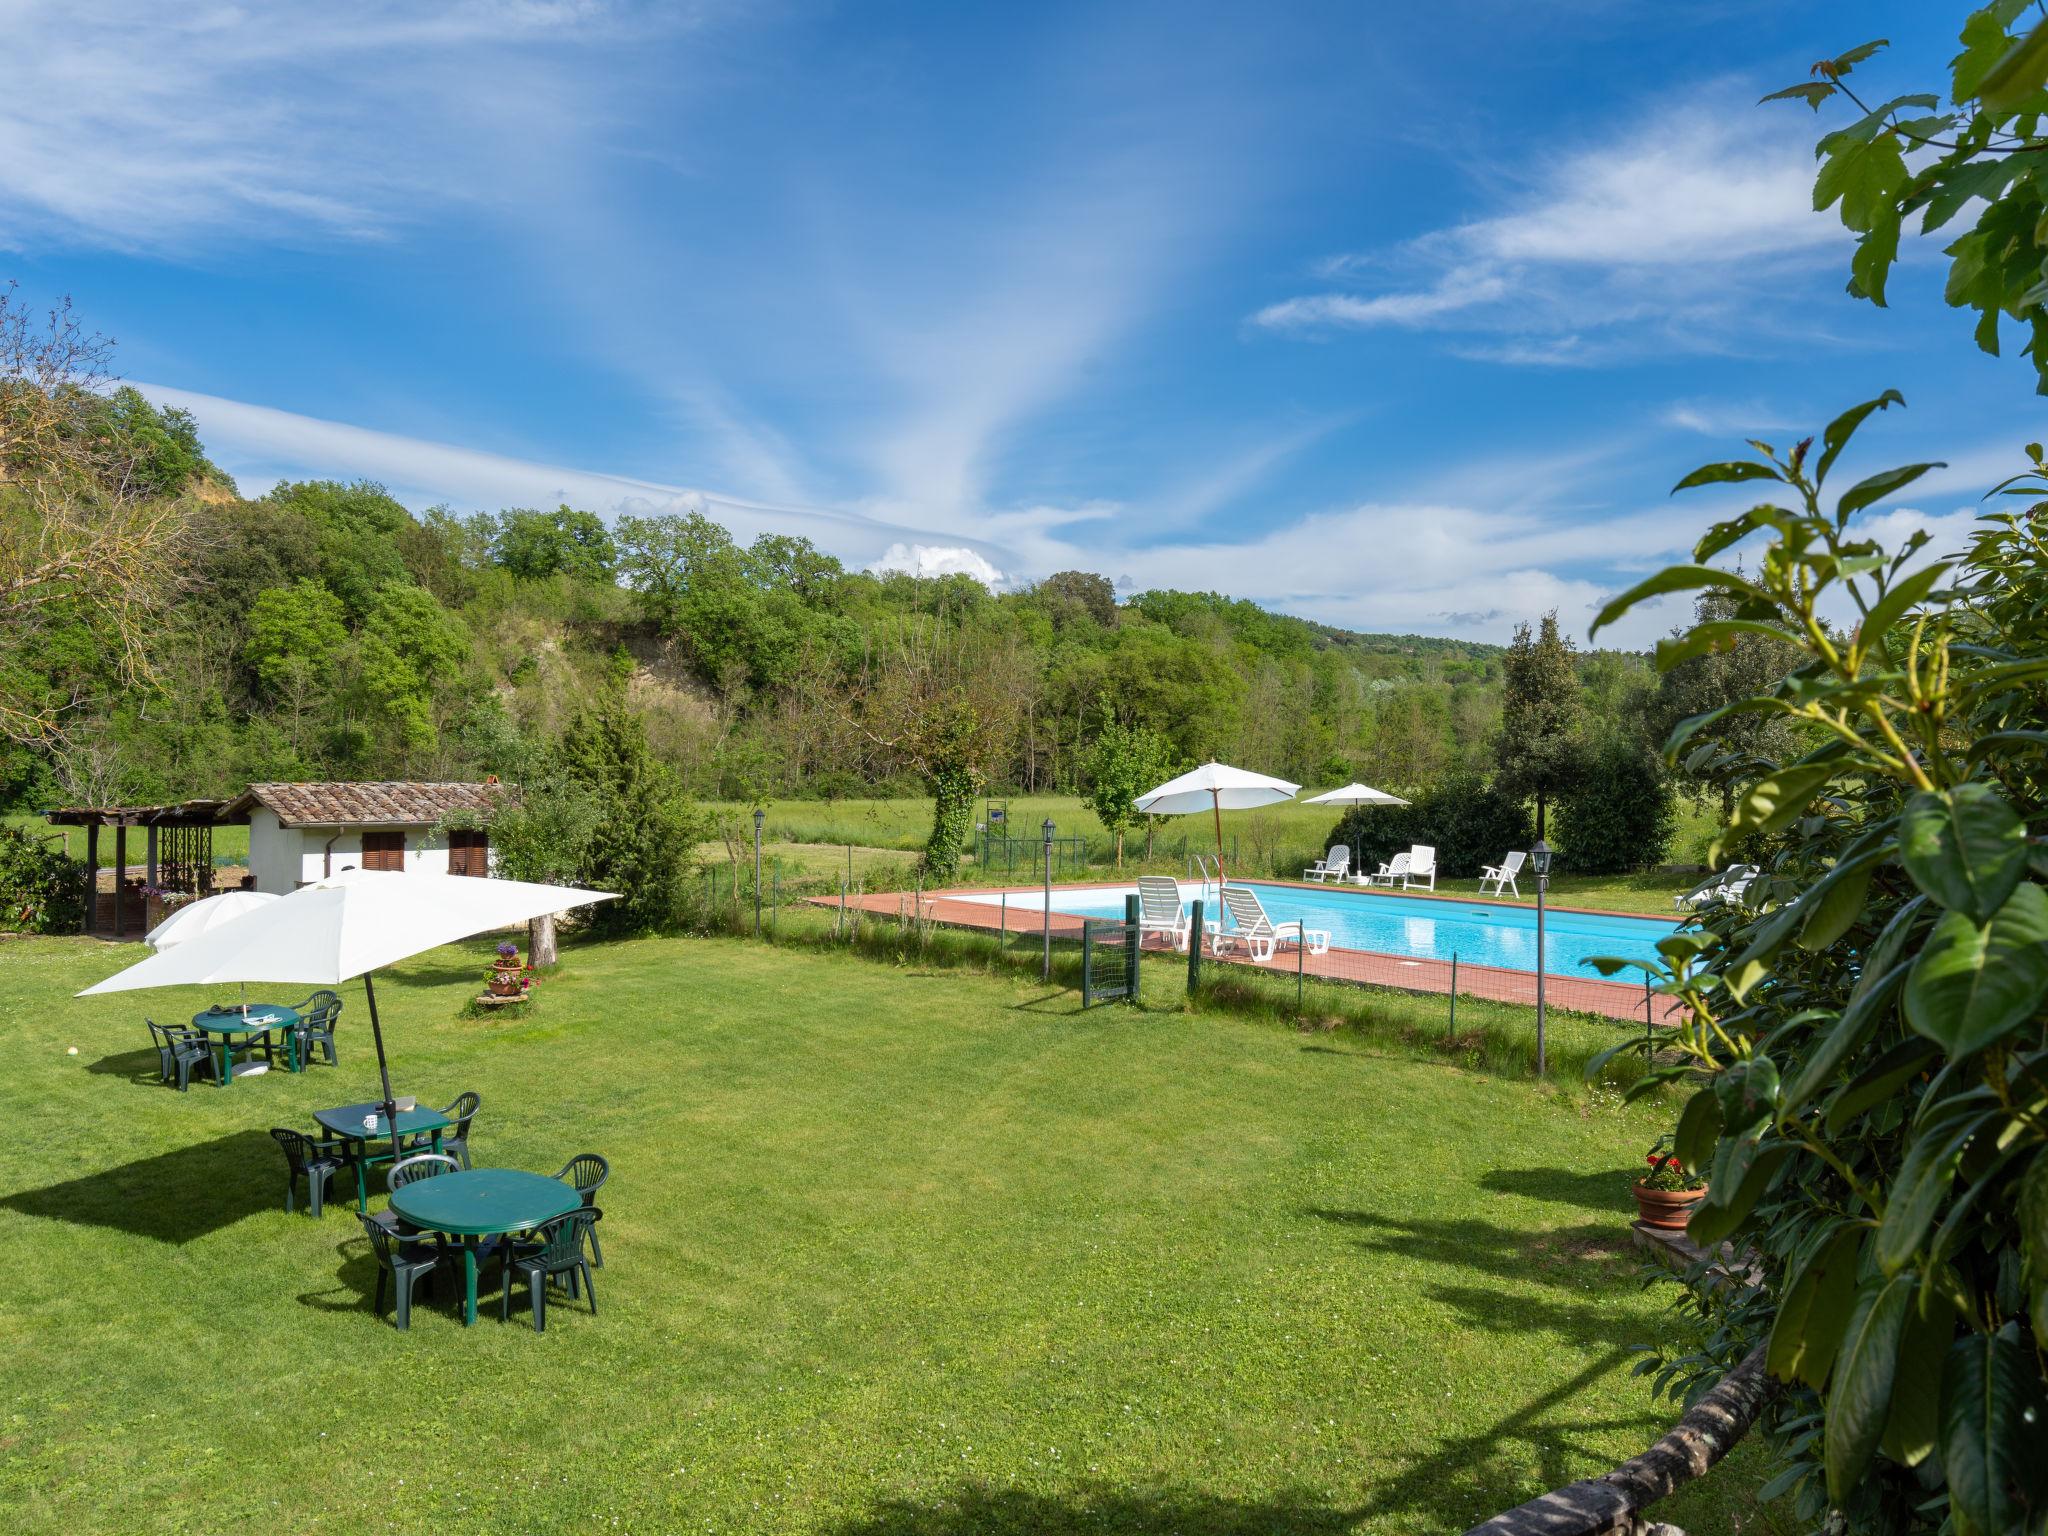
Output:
x=1421 y=867
x=1729 y=886
x=1259 y=934
x=1501 y=876
x=1161 y=911
x=1334 y=865
x=1394 y=869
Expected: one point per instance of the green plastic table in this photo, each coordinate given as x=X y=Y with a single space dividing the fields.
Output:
x=482 y=1206
x=346 y=1122
x=233 y=1024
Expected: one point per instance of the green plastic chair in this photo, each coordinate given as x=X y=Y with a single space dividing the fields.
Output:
x=316 y=1026
x=400 y=1259
x=558 y=1250
x=178 y=1052
x=315 y=1162
x=587 y=1171
x=428 y=1165
x=454 y=1140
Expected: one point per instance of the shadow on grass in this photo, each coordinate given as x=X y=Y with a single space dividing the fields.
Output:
x=173 y=1197
x=355 y=1286
x=1589 y=1191
x=139 y=1067
x=979 y=1510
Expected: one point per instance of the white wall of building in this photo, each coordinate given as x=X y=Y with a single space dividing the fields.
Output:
x=284 y=858
x=273 y=852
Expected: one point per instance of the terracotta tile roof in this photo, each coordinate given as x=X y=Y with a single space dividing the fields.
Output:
x=345 y=805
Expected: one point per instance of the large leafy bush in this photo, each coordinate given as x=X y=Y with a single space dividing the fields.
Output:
x=41 y=889
x=1874 y=1115
x=1616 y=815
x=1470 y=822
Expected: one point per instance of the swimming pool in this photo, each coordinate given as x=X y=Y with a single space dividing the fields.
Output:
x=1477 y=932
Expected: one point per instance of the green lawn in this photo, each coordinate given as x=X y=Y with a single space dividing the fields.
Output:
x=889 y=1251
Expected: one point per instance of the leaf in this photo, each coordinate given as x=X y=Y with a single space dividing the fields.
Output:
x=1922 y=1183
x=1851 y=1033
x=1998 y=741
x=2033 y=1224
x=1842 y=63
x=1884 y=1077
x=1913 y=1427
x=1742 y=1169
x=1673 y=578
x=1964 y=846
x=1747 y=1092
x=1772 y=802
x=1861 y=1398
x=1872 y=260
x=1838 y=432
x=1880 y=485
x=1992 y=1413
x=1900 y=596
x=1813 y=93
x=1832 y=912
x=1699 y=1126
x=1863 y=176
x=2019 y=74
x=1730 y=469
x=1717 y=634
x=1814 y=1313
x=1974 y=983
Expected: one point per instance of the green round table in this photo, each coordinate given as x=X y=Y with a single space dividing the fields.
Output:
x=482 y=1206
x=243 y=1024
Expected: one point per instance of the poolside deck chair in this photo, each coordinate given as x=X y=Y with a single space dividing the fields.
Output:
x=1730 y=885
x=1394 y=869
x=1334 y=865
x=1421 y=867
x=1161 y=911
x=1258 y=933
x=1501 y=876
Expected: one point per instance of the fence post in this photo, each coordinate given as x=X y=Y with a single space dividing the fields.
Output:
x=1454 y=994
x=1300 y=950
x=839 y=928
x=1087 y=963
x=775 y=903
x=1131 y=955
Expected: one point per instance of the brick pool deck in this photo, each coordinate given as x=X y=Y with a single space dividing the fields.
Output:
x=1613 y=999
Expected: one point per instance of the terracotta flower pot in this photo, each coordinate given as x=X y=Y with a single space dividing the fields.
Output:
x=1666 y=1209
x=506 y=981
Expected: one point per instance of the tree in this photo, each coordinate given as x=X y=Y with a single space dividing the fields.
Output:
x=535 y=545
x=1542 y=715
x=645 y=831
x=1703 y=685
x=1071 y=596
x=541 y=829
x=296 y=635
x=1124 y=763
x=1616 y=814
x=1907 y=156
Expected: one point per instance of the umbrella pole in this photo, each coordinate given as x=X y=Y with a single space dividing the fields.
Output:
x=1216 y=806
x=383 y=1068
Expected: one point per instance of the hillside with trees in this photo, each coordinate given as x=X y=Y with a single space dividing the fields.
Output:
x=168 y=637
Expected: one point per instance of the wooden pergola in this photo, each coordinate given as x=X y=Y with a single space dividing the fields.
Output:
x=178 y=852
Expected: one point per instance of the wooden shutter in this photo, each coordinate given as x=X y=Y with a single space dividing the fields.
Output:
x=384 y=850
x=469 y=852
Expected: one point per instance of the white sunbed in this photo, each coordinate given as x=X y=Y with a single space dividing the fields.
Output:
x=1394 y=869
x=1731 y=885
x=1161 y=911
x=1334 y=865
x=1259 y=934
x=1421 y=867
x=1501 y=876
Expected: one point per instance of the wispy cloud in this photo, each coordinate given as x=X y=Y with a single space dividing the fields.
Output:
x=1724 y=418
x=1686 y=218
x=146 y=126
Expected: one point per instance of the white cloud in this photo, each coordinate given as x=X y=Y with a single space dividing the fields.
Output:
x=142 y=125
x=928 y=560
x=1686 y=218
x=1723 y=418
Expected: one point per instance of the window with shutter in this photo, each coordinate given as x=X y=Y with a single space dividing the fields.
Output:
x=469 y=853
x=384 y=850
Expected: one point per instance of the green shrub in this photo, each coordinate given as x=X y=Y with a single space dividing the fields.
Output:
x=1616 y=816
x=42 y=890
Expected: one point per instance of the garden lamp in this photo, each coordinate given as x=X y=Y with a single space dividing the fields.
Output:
x=1046 y=914
x=1540 y=857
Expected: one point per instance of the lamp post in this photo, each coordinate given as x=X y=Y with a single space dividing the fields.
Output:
x=1540 y=857
x=1047 y=911
x=759 y=817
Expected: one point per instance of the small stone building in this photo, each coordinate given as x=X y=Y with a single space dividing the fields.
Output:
x=303 y=832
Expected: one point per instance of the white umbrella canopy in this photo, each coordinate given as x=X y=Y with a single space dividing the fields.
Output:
x=346 y=926
x=197 y=917
x=1216 y=788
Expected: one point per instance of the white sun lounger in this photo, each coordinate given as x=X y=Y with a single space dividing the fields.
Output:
x=1394 y=869
x=1334 y=865
x=1259 y=934
x=1731 y=885
x=1161 y=911
x=1501 y=876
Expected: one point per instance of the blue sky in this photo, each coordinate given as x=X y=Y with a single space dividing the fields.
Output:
x=1401 y=317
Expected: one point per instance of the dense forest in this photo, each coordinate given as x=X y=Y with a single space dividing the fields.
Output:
x=170 y=637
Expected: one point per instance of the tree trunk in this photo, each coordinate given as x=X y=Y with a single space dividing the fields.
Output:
x=1150 y=822
x=540 y=942
x=1119 y=847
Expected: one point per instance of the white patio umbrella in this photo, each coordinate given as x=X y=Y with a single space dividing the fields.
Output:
x=347 y=926
x=1355 y=793
x=1216 y=788
x=196 y=917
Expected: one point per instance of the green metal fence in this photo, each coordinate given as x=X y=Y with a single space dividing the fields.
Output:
x=1109 y=957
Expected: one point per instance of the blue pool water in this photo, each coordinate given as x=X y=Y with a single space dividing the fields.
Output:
x=1478 y=932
